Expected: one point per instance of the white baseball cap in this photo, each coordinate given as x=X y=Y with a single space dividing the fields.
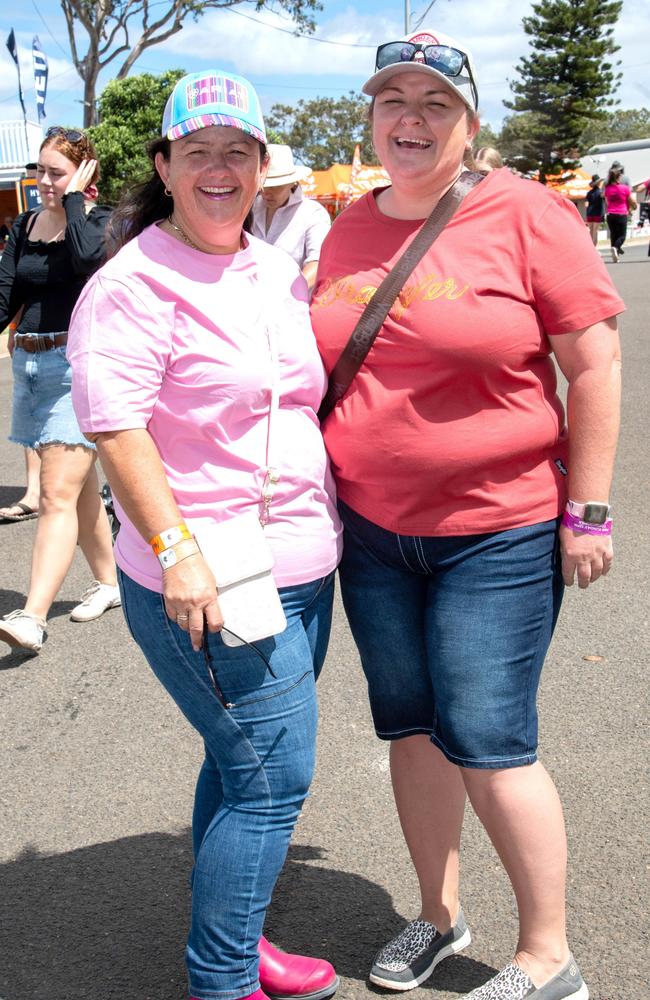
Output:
x=427 y=51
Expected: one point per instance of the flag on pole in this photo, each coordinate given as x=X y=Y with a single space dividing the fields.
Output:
x=13 y=49
x=40 y=76
x=354 y=173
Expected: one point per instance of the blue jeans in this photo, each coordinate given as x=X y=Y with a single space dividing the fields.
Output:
x=259 y=760
x=452 y=633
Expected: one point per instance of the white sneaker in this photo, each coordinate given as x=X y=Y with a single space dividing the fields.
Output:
x=23 y=630
x=98 y=598
x=614 y=255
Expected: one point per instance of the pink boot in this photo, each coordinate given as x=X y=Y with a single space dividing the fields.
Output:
x=294 y=977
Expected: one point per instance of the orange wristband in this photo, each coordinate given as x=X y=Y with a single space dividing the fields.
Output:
x=169 y=537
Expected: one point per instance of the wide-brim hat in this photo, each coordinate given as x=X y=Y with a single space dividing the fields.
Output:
x=464 y=84
x=282 y=169
x=212 y=97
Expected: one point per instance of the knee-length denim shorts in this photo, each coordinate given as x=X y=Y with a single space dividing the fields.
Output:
x=42 y=404
x=452 y=634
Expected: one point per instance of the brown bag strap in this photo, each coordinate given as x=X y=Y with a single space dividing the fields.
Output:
x=373 y=316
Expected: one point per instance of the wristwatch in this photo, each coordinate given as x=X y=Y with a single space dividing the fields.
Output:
x=591 y=512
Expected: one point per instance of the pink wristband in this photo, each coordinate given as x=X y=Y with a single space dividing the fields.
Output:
x=571 y=521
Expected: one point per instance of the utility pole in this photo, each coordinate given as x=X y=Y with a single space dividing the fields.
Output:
x=407 y=17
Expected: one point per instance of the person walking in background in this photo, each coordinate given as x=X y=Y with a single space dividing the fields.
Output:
x=488 y=158
x=595 y=208
x=197 y=373
x=620 y=202
x=454 y=471
x=284 y=217
x=49 y=256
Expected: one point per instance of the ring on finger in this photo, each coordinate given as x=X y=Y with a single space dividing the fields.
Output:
x=182 y=618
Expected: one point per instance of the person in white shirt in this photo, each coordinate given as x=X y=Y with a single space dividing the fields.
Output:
x=281 y=214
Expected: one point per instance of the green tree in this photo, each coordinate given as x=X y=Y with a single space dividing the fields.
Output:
x=518 y=141
x=617 y=126
x=123 y=29
x=486 y=137
x=324 y=131
x=131 y=112
x=567 y=80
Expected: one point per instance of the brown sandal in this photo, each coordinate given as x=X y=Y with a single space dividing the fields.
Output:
x=26 y=513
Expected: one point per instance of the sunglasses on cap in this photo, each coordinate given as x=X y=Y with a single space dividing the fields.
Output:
x=443 y=58
x=71 y=134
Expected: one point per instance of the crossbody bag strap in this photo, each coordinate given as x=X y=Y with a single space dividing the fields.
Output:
x=373 y=316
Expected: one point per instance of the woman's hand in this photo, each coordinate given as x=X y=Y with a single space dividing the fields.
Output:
x=82 y=176
x=585 y=557
x=190 y=594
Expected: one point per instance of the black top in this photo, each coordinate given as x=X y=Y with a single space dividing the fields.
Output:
x=595 y=201
x=47 y=278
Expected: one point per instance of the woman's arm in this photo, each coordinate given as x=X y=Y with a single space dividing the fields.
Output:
x=10 y=300
x=85 y=224
x=631 y=202
x=137 y=478
x=591 y=362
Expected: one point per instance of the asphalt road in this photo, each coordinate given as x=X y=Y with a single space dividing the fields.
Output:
x=98 y=767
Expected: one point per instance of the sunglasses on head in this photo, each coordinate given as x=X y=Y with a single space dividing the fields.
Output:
x=443 y=58
x=71 y=134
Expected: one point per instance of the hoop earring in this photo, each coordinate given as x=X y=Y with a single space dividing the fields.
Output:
x=168 y=192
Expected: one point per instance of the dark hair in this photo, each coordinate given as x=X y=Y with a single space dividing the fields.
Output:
x=141 y=205
x=614 y=175
x=145 y=203
x=75 y=150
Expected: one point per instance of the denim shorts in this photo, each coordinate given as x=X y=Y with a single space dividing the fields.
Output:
x=452 y=634
x=42 y=405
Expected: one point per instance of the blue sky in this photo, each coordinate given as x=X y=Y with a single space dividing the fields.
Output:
x=284 y=68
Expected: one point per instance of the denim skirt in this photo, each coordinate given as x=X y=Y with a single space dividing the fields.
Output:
x=42 y=411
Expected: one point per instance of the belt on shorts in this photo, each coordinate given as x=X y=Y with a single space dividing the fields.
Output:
x=42 y=342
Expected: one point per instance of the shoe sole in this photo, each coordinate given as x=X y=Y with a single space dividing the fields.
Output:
x=15 y=643
x=582 y=994
x=323 y=994
x=451 y=949
x=94 y=618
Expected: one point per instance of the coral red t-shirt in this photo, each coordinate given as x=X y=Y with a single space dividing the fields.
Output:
x=453 y=425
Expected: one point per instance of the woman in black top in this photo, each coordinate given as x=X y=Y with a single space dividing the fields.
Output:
x=49 y=256
x=595 y=207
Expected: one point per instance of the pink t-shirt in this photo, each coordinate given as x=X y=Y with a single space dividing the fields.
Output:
x=453 y=425
x=179 y=342
x=616 y=196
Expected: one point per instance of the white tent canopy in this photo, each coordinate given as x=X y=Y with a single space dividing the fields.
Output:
x=633 y=154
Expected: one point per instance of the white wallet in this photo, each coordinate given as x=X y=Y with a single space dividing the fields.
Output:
x=240 y=559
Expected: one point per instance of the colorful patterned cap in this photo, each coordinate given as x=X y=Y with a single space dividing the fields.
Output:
x=213 y=97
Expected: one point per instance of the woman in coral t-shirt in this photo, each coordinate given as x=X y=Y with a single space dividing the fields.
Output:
x=453 y=469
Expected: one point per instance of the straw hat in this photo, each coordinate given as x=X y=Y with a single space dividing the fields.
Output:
x=282 y=169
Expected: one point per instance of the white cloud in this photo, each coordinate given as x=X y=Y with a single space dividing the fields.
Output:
x=62 y=76
x=256 y=50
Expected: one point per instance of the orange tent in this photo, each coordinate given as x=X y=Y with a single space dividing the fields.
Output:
x=343 y=183
x=573 y=184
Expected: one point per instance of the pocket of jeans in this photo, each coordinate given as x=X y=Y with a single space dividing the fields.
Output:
x=247 y=681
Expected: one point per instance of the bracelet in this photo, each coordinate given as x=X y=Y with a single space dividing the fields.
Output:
x=176 y=553
x=577 y=524
x=169 y=537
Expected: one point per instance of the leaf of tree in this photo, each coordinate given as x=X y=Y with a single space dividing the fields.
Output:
x=125 y=28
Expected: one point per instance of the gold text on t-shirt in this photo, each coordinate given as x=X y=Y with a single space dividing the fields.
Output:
x=432 y=286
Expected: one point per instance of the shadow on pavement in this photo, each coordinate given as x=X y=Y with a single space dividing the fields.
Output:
x=109 y=921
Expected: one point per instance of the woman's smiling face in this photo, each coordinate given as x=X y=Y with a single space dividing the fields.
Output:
x=214 y=175
x=420 y=129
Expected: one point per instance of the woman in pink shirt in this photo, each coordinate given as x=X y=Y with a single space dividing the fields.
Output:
x=197 y=374
x=620 y=202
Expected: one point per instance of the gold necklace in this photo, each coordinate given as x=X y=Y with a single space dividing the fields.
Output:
x=183 y=235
